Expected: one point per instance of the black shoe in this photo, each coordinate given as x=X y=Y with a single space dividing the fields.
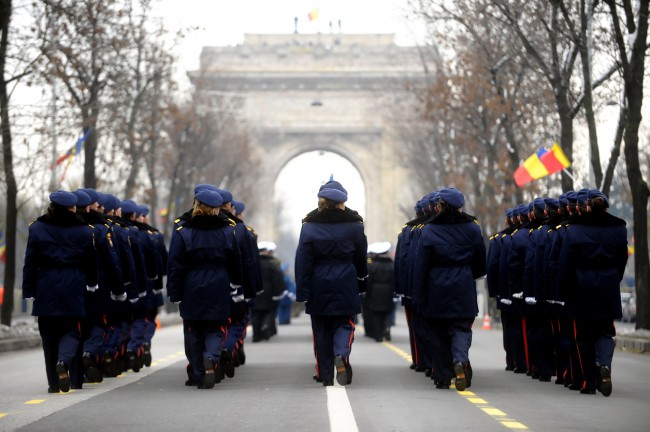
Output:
x=109 y=366
x=428 y=373
x=469 y=373
x=133 y=361
x=460 y=382
x=545 y=378
x=341 y=371
x=387 y=335
x=519 y=370
x=328 y=382
x=235 y=359
x=588 y=391
x=146 y=355
x=420 y=368
x=208 y=378
x=604 y=384
x=91 y=371
x=442 y=385
x=559 y=380
x=64 y=377
x=242 y=355
x=317 y=378
x=413 y=366
x=349 y=371
x=218 y=373
x=227 y=363
x=510 y=368
x=52 y=389
x=575 y=387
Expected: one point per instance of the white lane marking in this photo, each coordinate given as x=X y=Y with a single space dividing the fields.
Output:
x=340 y=411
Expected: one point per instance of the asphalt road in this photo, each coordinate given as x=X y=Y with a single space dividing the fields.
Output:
x=274 y=391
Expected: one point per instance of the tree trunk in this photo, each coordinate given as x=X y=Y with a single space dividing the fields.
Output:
x=12 y=190
x=616 y=152
x=566 y=134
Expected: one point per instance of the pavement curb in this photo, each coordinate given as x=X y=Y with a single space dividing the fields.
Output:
x=632 y=344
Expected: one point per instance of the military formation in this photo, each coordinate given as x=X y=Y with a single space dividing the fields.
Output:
x=555 y=272
x=94 y=268
x=438 y=258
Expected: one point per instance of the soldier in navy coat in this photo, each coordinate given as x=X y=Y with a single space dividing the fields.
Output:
x=450 y=257
x=331 y=271
x=60 y=266
x=590 y=268
x=204 y=274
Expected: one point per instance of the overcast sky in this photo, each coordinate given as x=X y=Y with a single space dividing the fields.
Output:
x=224 y=22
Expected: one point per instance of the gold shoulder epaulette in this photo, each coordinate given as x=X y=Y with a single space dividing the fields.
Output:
x=177 y=220
x=513 y=233
x=531 y=230
x=540 y=227
x=559 y=226
x=91 y=226
x=476 y=222
x=179 y=228
x=369 y=260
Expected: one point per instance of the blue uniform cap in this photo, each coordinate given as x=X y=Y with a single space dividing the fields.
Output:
x=63 y=198
x=334 y=191
x=515 y=212
x=523 y=210
x=572 y=197
x=226 y=196
x=418 y=206
x=509 y=212
x=552 y=203
x=202 y=186
x=210 y=198
x=92 y=193
x=129 y=206
x=433 y=198
x=595 y=193
x=101 y=198
x=453 y=197
x=239 y=206
x=111 y=202
x=563 y=201
x=583 y=196
x=143 y=210
x=539 y=204
x=83 y=199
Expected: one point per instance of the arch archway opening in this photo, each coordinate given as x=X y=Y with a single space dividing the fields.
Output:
x=295 y=190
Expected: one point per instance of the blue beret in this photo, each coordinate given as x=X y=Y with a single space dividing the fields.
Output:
x=515 y=212
x=563 y=200
x=142 y=210
x=63 y=198
x=239 y=206
x=83 y=199
x=433 y=198
x=333 y=190
x=552 y=203
x=202 y=186
x=225 y=195
x=531 y=206
x=129 y=206
x=509 y=212
x=101 y=198
x=583 y=196
x=595 y=193
x=418 y=206
x=210 y=198
x=539 y=204
x=572 y=197
x=111 y=202
x=92 y=193
x=453 y=197
x=523 y=210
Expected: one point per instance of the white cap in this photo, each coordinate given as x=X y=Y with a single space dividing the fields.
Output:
x=379 y=247
x=266 y=245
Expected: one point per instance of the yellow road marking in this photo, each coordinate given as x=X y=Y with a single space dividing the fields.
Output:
x=469 y=396
x=34 y=401
x=3 y=415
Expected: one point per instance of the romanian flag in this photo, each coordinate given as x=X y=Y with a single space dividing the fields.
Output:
x=3 y=248
x=541 y=164
x=313 y=14
x=74 y=150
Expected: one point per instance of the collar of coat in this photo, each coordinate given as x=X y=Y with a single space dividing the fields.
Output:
x=206 y=222
x=62 y=218
x=333 y=216
x=418 y=220
x=94 y=218
x=448 y=217
x=597 y=218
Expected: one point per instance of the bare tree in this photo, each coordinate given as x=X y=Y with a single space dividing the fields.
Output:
x=633 y=17
x=82 y=42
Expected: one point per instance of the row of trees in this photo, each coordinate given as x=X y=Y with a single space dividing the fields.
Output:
x=105 y=68
x=508 y=76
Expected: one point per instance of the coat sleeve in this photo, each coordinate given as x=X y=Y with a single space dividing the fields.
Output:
x=176 y=268
x=361 y=261
x=234 y=261
x=304 y=268
x=30 y=267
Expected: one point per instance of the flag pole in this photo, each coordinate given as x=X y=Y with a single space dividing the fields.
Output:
x=569 y=174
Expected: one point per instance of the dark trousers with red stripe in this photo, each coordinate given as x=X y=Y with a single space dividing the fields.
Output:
x=333 y=335
x=595 y=343
x=60 y=337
